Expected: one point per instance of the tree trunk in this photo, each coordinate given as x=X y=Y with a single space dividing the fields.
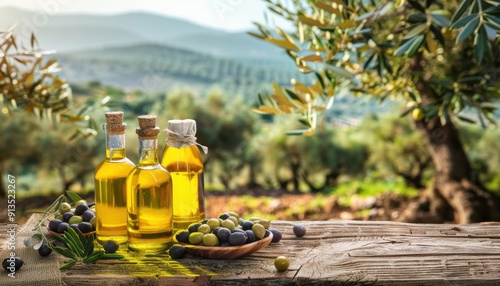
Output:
x=313 y=189
x=330 y=180
x=295 y=168
x=225 y=179
x=453 y=179
x=453 y=183
x=3 y=190
x=252 y=174
x=414 y=181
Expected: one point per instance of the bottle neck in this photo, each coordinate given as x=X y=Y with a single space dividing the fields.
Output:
x=115 y=146
x=148 y=151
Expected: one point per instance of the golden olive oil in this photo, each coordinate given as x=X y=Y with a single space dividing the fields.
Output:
x=110 y=196
x=109 y=183
x=149 y=195
x=186 y=168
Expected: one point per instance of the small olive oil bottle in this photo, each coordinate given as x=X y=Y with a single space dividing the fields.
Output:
x=149 y=194
x=110 y=183
x=182 y=159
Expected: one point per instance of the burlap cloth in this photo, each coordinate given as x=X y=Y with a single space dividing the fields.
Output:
x=37 y=270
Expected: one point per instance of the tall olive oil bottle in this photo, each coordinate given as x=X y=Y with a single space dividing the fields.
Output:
x=182 y=159
x=109 y=181
x=149 y=194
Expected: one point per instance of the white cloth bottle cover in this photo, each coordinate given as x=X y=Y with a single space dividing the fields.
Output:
x=181 y=133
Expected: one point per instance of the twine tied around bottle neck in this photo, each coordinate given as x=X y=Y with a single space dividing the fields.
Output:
x=177 y=140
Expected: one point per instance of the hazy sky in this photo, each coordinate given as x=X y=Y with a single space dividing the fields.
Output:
x=229 y=15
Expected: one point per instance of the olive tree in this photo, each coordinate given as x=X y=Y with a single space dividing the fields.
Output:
x=30 y=86
x=225 y=127
x=396 y=149
x=441 y=57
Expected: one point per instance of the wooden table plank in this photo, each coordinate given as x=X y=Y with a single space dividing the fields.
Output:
x=331 y=253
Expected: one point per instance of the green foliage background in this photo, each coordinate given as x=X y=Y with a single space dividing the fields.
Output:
x=245 y=149
x=379 y=153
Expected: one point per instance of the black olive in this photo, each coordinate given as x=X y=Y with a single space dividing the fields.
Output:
x=44 y=250
x=194 y=227
x=80 y=209
x=87 y=215
x=61 y=228
x=110 y=246
x=224 y=216
x=182 y=236
x=223 y=234
x=12 y=263
x=67 y=216
x=177 y=251
x=250 y=236
x=237 y=238
x=53 y=224
x=299 y=230
x=247 y=225
x=85 y=227
x=276 y=235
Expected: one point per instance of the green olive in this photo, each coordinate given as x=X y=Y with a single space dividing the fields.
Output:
x=234 y=220
x=80 y=202
x=210 y=240
x=204 y=228
x=259 y=230
x=233 y=214
x=281 y=263
x=196 y=237
x=266 y=223
x=75 y=219
x=64 y=207
x=93 y=222
x=228 y=224
x=213 y=223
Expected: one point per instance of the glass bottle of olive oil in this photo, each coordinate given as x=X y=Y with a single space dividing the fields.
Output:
x=182 y=159
x=109 y=183
x=149 y=194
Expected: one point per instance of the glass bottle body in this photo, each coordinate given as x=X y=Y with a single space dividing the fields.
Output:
x=110 y=191
x=149 y=202
x=186 y=168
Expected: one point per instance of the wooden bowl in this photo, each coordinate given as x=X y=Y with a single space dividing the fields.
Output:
x=62 y=234
x=226 y=252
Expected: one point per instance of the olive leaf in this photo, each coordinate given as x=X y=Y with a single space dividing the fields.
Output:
x=38 y=245
x=73 y=196
x=33 y=240
x=38 y=238
x=80 y=248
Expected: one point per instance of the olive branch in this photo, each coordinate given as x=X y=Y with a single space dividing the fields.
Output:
x=78 y=247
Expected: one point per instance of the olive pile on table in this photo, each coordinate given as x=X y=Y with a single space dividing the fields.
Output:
x=81 y=217
x=229 y=229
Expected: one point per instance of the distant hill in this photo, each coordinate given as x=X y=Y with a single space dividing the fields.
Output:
x=69 y=33
x=233 y=45
x=157 y=53
x=154 y=67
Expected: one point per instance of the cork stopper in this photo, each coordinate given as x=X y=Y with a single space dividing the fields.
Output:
x=147 y=127
x=114 y=122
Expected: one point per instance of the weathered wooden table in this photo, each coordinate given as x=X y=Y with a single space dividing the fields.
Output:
x=331 y=253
